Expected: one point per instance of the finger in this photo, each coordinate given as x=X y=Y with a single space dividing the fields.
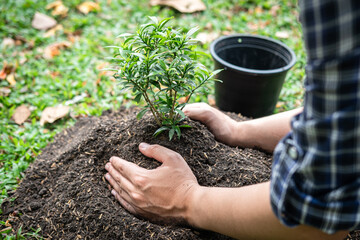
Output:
x=117 y=187
x=123 y=202
x=125 y=168
x=197 y=111
x=120 y=179
x=160 y=153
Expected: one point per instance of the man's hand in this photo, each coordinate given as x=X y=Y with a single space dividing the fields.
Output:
x=221 y=125
x=160 y=195
x=262 y=133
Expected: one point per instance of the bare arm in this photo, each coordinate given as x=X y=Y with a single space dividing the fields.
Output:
x=245 y=213
x=264 y=132
x=171 y=192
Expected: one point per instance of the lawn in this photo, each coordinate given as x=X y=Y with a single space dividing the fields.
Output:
x=70 y=74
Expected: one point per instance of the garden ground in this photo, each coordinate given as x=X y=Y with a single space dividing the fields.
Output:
x=62 y=66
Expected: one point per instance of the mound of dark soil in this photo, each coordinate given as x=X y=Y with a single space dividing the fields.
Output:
x=65 y=193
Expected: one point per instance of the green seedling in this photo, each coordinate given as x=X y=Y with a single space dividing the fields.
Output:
x=160 y=66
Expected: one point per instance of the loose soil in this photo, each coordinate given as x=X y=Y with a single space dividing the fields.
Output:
x=65 y=194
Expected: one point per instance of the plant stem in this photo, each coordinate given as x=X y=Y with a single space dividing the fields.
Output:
x=173 y=105
x=153 y=110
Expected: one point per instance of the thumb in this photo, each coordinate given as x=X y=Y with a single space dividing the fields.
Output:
x=159 y=153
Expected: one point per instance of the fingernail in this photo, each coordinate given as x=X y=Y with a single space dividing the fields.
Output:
x=144 y=146
x=107 y=166
x=113 y=192
x=107 y=176
x=111 y=159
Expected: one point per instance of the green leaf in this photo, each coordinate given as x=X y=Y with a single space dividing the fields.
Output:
x=178 y=131
x=138 y=55
x=181 y=113
x=156 y=84
x=160 y=130
x=214 y=73
x=112 y=47
x=124 y=35
x=192 y=31
x=138 y=98
x=164 y=21
x=141 y=113
x=154 y=19
x=185 y=126
x=171 y=133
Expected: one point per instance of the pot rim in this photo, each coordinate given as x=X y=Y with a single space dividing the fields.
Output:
x=249 y=70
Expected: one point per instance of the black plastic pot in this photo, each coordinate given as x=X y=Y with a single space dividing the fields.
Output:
x=255 y=68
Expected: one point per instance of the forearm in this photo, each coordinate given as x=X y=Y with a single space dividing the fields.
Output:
x=244 y=213
x=264 y=132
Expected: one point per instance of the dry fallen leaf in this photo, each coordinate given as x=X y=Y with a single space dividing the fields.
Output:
x=53 y=30
x=8 y=42
x=184 y=6
x=54 y=49
x=21 y=114
x=282 y=34
x=274 y=10
x=58 y=8
x=51 y=114
x=11 y=79
x=258 y=10
x=205 y=37
x=5 y=91
x=88 y=6
x=183 y=99
x=6 y=70
x=258 y=25
x=211 y=100
x=42 y=21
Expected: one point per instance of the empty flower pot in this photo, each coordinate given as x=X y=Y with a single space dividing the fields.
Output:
x=255 y=68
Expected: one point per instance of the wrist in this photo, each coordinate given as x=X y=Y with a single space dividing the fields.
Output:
x=241 y=135
x=195 y=202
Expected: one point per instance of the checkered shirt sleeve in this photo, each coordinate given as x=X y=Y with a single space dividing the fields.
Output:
x=315 y=178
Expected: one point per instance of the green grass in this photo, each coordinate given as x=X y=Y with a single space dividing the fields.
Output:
x=41 y=83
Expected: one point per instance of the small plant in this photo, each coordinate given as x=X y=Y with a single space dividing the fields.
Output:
x=160 y=65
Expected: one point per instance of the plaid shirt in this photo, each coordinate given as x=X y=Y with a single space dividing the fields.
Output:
x=316 y=169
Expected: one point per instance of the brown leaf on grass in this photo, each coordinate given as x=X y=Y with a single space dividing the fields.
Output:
x=103 y=72
x=11 y=79
x=88 y=6
x=259 y=25
x=5 y=91
x=8 y=42
x=7 y=70
x=8 y=73
x=274 y=10
x=183 y=6
x=42 y=21
x=258 y=10
x=282 y=34
x=73 y=36
x=54 y=49
x=51 y=114
x=206 y=37
x=53 y=30
x=183 y=100
x=21 y=114
x=211 y=100
x=58 y=8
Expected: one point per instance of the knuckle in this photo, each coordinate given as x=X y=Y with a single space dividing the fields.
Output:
x=154 y=147
x=139 y=181
x=174 y=155
x=137 y=198
x=116 y=177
